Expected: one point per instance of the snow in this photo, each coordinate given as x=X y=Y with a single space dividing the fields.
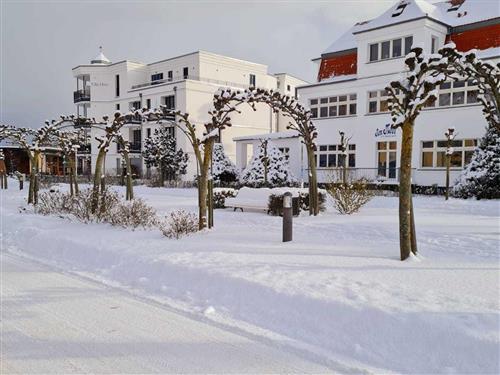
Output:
x=55 y=323
x=337 y=294
x=274 y=135
x=334 y=79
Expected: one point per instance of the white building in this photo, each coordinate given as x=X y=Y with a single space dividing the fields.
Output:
x=350 y=97
x=186 y=83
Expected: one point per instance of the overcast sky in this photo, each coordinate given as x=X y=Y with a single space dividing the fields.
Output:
x=41 y=41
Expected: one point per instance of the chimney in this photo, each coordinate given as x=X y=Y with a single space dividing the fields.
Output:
x=456 y=2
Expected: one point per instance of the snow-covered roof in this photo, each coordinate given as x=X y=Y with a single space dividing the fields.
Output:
x=469 y=11
x=100 y=58
x=488 y=53
x=276 y=135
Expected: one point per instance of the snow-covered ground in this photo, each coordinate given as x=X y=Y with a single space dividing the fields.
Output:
x=337 y=294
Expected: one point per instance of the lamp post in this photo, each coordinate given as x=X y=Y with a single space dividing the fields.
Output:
x=287 y=217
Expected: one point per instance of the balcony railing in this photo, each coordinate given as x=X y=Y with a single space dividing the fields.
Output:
x=84 y=149
x=191 y=77
x=134 y=147
x=81 y=96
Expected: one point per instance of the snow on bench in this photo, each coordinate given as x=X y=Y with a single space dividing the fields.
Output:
x=250 y=198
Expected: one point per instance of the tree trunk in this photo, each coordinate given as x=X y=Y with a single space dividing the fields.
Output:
x=447 y=189
x=313 y=183
x=203 y=184
x=162 y=174
x=71 y=190
x=128 y=177
x=414 y=249
x=97 y=179
x=405 y=194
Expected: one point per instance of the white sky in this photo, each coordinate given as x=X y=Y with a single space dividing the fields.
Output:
x=41 y=41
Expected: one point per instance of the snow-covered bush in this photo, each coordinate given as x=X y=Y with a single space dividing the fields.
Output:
x=304 y=201
x=223 y=169
x=268 y=167
x=481 y=177
x=179 y=223
x=112 y=209
x=220 y=195
x=133 y=214
x=348 y=198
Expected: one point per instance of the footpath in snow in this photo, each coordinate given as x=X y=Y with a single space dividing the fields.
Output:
x=337 y=294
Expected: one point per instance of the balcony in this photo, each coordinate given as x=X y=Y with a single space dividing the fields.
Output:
x=81 y=96
x=84 y=149
x=134 y=147
x=191 y=77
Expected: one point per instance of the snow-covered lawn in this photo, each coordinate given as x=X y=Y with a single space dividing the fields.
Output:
x=338 y=293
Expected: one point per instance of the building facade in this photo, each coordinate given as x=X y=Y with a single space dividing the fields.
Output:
x=349 y=94
x=185 y=83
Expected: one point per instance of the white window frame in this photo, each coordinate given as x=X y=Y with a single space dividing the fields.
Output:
x=387 y=151
x=333 y=103
x=435 y=149
x=335 y=150
x=391 y=49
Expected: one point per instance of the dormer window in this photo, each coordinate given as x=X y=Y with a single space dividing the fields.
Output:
x=155 y=78
x=400 y=9
x=455 y=5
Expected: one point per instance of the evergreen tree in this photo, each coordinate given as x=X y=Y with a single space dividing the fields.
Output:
x=268 y=167
x=481 y=177
x=160 y=152
x=223 y=169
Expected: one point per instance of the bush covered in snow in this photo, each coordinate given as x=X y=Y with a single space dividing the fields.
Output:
x=481 y=177
x=220 y=195
x=268 y=167
x=349 y=197
x=223 y=169
x=112 y=209
x=179 y=223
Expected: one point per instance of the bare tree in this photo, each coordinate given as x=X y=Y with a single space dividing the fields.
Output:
x=407 y=97
x=450 y=136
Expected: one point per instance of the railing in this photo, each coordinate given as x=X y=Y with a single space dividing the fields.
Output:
x=85 y=149
x=194 y=78
x=81 y=96
x=134 y=147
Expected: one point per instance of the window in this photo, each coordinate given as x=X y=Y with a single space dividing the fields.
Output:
x=156 y=77
x=288 y=88
x=386 y=159
x=148 y=103
x=185 y=72
x=389 y=49
x=117 y=85
x=170 y=75
x=148 y=132
x=333 y=106
x=252 y=80
x=396 y=47
x=135 y=105
x=408 y=44
x=386 y=50
x=330 y=156
x=434 y=153
x=399 y=9
x=457 y=93
x=169 y=101
x=434 y=44
x=378 y=101
x=374 y=52
x=118 y=106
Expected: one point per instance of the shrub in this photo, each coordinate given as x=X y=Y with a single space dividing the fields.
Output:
x=179 y=223
x=133 y=214
x=220 y=195
x=350 y=197
x=111 y=209
x=275 y=205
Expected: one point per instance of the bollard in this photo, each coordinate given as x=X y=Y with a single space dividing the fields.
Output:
x=287 y=217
